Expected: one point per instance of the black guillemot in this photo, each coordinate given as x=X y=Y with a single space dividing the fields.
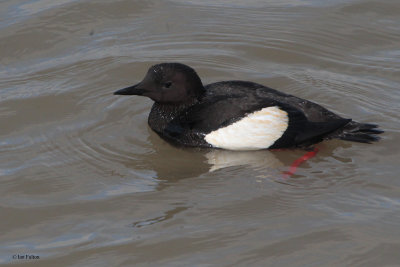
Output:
x=237 y=115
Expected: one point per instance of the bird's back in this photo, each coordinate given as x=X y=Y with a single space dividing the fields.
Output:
x=312 y=111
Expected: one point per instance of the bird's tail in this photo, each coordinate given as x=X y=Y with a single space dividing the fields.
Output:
x=358 y=132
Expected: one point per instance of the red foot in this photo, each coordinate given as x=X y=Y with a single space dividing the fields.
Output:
x=297 y=162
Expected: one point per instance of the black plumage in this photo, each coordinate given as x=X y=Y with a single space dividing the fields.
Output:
x=185 y=111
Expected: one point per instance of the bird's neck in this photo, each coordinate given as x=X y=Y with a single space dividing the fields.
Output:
x=162 y=114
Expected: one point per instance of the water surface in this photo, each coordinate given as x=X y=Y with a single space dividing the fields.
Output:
x=85 y=182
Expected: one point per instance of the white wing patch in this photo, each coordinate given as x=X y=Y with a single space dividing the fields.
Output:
x=258 y=130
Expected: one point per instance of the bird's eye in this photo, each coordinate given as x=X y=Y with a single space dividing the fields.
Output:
x=168 y=84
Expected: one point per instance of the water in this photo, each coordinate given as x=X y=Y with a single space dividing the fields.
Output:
x=85 y=182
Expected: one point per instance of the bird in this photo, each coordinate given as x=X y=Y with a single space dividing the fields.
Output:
x=237 y=115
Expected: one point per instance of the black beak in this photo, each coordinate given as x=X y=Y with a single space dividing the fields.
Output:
x=132 y=90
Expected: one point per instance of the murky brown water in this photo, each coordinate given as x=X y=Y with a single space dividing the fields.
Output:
x=85 y=182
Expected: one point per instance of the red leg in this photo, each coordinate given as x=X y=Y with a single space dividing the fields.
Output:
x=297 y=162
